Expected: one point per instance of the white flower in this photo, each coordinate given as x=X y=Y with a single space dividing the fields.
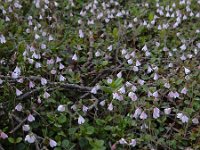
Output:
x=16 y=73
x=43 y=81
x=97 y=54
x=61 y=108
x=3 y=135
x=52 y=143
x=26 y=127
x=143 y=116
x=133 y=96
x=18 y=92
x=110 y=48
x=167 y=111
x=132 y=143
x=167 y=85
x=31 y=118
x=30 y=138
x=46 y=95
x=195 y=121
x=2 y=39
x=145 y=48
x=179 y=115
x=81 y=120
x=18 y=107
x=184 y=90
x=137 y=113
x=119 y=75
x=75 y=58
x=156 y=113
x=37 y=36
x=187 y=71
x=81 y=34
x=110 y=107
x=122 y=141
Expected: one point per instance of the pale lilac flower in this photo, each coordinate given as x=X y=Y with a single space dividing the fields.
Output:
x=61 y=66
x=137 y=113
x=155 y=94
x=117 y=96
x=143 y=116
x=95 y=89
x=16 y=73
x=85 y=108
x=26 y=127
x=61 y=108
x=43 y=81
x=183 y=47
x=184 y=119
x=156 y=113
x=141 y=82
x=102 y=103
x=46 y=95
x=31 y=84
x=184 y=90
x=21 y=80
x=81 y=34
x=18 y=92
x=31 y=118
x=138 y=63
x=110 y=107
x=109 y=80
x=167 y=111
x=122 y=90
x=52 y=143
x=30 y=138
x=122 y=141
x=3 y=135
x=133 y=96
x=132 y=143
x=81 y=120
x=18 y=107
x=156 y=76
x=62 y=78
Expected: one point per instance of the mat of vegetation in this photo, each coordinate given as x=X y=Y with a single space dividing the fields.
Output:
x=99 y=74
